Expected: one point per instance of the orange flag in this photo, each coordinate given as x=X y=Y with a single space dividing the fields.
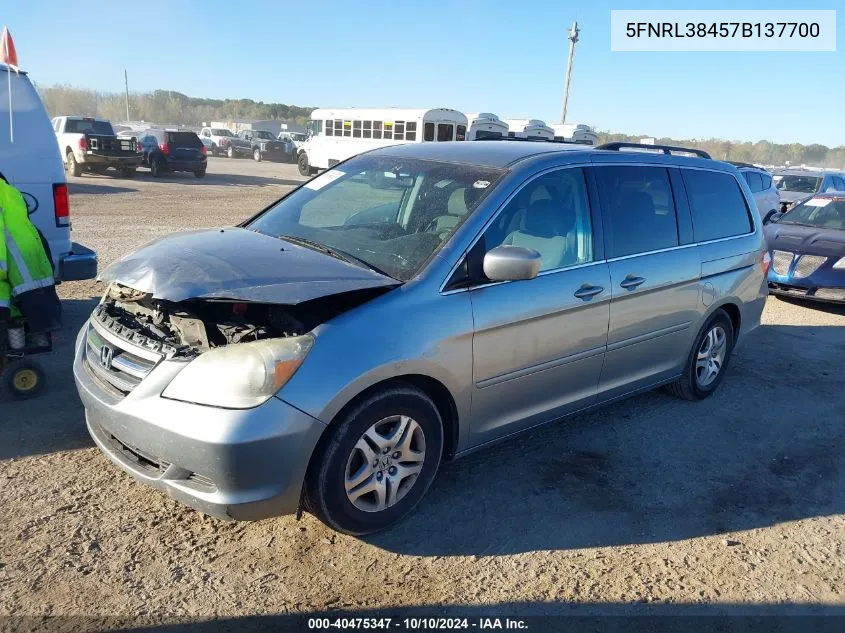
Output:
x=8 y=54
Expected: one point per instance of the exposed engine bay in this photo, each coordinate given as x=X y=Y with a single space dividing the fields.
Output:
x=188 y=328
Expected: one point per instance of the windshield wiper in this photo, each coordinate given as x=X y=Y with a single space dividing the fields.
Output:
x=333 y=252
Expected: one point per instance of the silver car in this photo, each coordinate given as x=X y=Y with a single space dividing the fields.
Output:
x=763 y=188
x=413 y=304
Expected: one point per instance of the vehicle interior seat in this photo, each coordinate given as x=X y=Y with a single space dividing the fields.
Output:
x=457 y=208
x=548 y=227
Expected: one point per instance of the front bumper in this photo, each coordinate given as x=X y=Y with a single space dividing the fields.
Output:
x=232 y=464
x=824 y=295
x=79 y=264
x=105 y=160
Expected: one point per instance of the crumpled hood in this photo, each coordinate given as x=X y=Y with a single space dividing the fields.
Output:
x=807 y=240
x=237 y=264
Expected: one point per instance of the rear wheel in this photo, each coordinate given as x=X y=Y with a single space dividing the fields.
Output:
x=73 y=167
x=378 y=462
x=156 y=168
x=708 y=359
x=199 y=173
x=128 y=172
x=256 y=154
x=302 y=164
x=230 y=153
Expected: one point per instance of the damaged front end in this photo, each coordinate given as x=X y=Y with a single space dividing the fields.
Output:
x=240 y=353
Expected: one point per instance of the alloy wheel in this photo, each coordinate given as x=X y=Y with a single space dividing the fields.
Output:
x=385 y=463
x=711 y=356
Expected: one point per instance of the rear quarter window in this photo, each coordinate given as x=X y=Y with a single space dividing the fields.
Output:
x=717 y=204
x=754 y=180
x=185 y=139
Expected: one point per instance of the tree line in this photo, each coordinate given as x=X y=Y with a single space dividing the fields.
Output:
x=759 y=153
x=164 y=106
x=170 y=107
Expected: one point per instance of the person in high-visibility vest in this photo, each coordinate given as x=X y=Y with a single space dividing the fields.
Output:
x=27 y=286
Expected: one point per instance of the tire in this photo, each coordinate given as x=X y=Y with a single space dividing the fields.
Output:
x=690 y=385
x=302 y=164
x=256 y=155
x=129 y=172
x=230 y=152
x=73 y=167
x=338 y=457
x=23 y=379
x=199 y=173
x=156 y=168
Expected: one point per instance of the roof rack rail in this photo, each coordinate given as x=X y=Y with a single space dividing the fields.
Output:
x=737 y=163
x=666 y=149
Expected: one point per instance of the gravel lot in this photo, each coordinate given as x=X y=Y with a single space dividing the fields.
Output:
x=737 y=500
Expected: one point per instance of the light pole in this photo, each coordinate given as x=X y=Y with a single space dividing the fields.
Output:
x=573 y=39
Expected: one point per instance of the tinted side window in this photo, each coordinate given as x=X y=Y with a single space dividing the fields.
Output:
x=550 y=215
x=755 y=182
x=641 y=209
x=717 y=204
x=840 y=184
x=428 y=132
x=767 y=182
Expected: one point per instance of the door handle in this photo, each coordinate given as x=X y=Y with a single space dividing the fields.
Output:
x=631 y=282
x=587 y=291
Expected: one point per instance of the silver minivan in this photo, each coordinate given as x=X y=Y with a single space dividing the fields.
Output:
x=410 y=305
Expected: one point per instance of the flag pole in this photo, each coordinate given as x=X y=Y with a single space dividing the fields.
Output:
x=9 y=79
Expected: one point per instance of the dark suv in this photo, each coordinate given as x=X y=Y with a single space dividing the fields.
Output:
x=172 y=150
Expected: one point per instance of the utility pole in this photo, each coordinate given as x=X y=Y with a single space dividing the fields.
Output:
x=126 y=83
x=573 y=39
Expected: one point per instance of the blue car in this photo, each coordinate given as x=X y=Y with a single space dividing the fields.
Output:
x=807 y=248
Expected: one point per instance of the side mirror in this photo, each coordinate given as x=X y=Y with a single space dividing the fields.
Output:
x=772 y=216
x=511 y=263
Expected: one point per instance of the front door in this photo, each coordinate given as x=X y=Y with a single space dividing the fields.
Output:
x=539 y=344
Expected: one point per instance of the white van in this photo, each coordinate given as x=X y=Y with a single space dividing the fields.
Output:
x=33 y=165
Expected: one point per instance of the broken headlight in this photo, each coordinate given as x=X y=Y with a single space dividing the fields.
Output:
x=240 y=376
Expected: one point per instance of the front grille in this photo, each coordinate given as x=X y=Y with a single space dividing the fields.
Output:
x=807 y=265
x=114 y=365
x=781 y=262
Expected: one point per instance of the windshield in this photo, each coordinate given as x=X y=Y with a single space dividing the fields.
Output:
x=799 y=184
x=823 y=213
x=221 y=132
x=392 y=213
x=83 y=126
x=263 y=134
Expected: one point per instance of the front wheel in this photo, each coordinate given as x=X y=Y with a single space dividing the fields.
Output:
x=302 y=164
x=378 y=463
x=230 y=153
x=256 y=154
x=708 y=359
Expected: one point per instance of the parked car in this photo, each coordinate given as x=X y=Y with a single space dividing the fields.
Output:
x=264 y=145
x=808 y=250
x=173 y=150
x=89 y=144
x=763 y=187
x=223 y=141
x=798 y=184
x=414 y=303
x=33 y=165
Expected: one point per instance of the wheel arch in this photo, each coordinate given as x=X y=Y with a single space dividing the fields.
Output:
x=730 y=307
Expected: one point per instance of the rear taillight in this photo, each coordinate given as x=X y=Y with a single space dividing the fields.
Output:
x=83 y=143
x=204 y=150
x=765 y=262
x=165 y=148
x=61 y=204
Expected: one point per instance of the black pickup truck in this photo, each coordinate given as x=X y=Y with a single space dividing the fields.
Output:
x=89 y=144
x=265 y=146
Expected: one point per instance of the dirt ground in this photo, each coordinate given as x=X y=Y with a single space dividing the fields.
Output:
x=737 y=500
